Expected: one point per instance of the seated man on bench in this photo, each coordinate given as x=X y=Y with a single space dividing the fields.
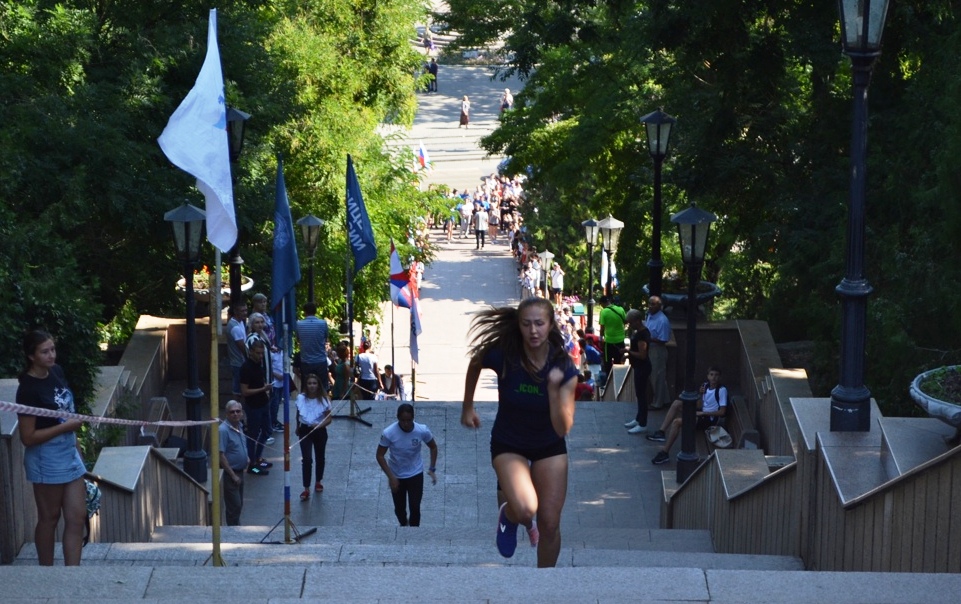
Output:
x=711 y=407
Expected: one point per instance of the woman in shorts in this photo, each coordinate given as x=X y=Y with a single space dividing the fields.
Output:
x=51 y=459
x=535 y=385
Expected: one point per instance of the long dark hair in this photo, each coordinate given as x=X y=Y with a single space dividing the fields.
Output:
x=500 y=327
x=31 y=341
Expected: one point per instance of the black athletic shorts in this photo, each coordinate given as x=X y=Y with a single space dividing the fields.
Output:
x=532 y=455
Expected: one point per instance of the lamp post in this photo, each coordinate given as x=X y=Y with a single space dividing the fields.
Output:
x=693 y=226
x=236 y=125
x=310 y=227
x=546 y=258
x=862 y=23
x=659 y=126
x=610 y=228
x=188 y=226
x=590 y=235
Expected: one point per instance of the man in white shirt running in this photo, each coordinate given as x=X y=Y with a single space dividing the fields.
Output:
x=405 y=466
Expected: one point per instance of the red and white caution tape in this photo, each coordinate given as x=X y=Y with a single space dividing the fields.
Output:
x=26 y=410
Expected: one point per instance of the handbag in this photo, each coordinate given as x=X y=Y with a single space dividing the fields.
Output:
x=719 y=437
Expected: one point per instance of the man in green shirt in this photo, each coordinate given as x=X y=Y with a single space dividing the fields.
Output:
x=611 y=320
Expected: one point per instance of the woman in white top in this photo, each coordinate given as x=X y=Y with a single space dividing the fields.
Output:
x=465 y=112
x=557 y=283
x=313 y=417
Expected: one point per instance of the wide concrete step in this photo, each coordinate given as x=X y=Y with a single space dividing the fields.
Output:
x=424 y=555
x=418 y=547
x=89 y=584
x=574 y=538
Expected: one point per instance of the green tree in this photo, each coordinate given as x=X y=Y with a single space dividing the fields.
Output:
x=87 y=88
x=762 y=96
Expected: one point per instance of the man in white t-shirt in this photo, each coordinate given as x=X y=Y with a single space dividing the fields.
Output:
x=369 y=379
x=557 y=283
x=405 y=466
x=481 y=225
x=466 y=212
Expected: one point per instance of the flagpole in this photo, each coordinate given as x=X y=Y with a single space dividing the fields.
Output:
x=354 y=413
x=216 y=556
x=392 y=362
x=286 y=276
x=287 y=348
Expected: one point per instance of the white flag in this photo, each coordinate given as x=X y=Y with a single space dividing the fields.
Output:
x=195 y=140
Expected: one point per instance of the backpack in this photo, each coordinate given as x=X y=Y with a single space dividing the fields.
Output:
x=93 y=506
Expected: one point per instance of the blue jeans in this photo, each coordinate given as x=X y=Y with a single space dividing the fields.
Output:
x=235 y=375
x=258 y=430
x=276 y=397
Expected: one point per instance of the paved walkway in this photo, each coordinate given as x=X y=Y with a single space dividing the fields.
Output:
x=456 y=285
x=458 y=161
x=613 y=483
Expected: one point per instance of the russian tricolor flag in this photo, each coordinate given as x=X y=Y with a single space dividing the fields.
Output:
x=422 y=158
x=400 y=286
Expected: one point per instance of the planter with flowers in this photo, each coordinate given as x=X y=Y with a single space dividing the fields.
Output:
x=203 y=280
x=674 y=291
x=938 y=392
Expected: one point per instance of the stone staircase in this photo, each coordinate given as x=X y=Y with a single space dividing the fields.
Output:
x=408 y=565
x=422 y=547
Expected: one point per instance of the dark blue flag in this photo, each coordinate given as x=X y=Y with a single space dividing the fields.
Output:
x=359 y=230
x=286 y=269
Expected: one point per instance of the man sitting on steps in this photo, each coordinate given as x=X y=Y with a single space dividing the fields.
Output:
x=711 y=407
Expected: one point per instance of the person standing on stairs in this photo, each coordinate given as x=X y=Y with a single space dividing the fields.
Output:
x=640 y=369
x=233 y=461
x=313 y=417
x=464 y=112
x=481 y=226
x=432 y=68
x=51 y=456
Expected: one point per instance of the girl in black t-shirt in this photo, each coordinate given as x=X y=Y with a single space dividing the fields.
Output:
x=51 y=458
x=535 y=411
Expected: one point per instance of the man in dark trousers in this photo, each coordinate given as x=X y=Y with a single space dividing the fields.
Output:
x=255 y=386
x=432 y=70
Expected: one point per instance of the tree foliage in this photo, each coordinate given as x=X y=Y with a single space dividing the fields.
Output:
x=762 y=95
x=86 y=88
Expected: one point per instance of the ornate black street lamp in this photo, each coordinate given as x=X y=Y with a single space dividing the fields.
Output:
x=693 y=226
x=188 y=226
x=610 y=228
x=659 y=126
x=310 y=227
x=236 y=125
x=862 y=22
x=590 y=235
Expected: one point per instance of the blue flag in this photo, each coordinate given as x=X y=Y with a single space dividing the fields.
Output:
x=359 y=230
x=286 y=268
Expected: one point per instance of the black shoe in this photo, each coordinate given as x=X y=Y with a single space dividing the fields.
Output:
x=657 y=437
x=278 y=427
x=257 y=471
x=263 y=464
x=660 y=458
